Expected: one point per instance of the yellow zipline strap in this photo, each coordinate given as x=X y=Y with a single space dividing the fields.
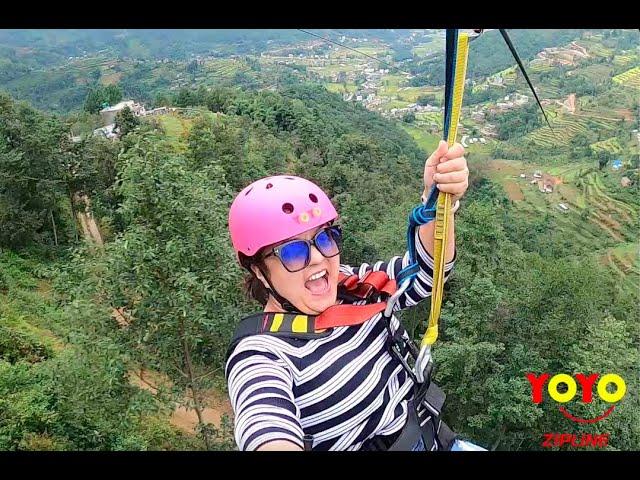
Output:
x=441 y=229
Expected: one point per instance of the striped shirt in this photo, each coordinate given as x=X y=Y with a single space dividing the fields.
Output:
x=342 y=389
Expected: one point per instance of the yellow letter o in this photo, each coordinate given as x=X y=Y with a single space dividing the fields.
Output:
x=572 y=388
x=621 y=388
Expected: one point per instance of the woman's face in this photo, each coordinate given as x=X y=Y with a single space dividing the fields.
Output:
x=312 y=296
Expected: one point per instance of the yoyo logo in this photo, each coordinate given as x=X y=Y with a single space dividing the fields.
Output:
x=562 y=388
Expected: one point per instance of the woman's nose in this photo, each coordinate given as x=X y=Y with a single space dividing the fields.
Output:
x=316 y=256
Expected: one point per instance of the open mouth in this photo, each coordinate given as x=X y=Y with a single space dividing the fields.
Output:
x=318 y=283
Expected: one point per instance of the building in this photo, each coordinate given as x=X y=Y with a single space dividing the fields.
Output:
x=108 y=131
x=563 y=207
x=544 y=187
x=616 y=164
x=157 y=111
x=109 y=114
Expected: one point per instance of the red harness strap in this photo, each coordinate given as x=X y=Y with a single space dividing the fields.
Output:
x=346 y=315
x=371 y=283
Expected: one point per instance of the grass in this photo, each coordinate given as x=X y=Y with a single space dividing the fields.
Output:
x=390 y=104
x=596 y=72
x=28 y=311
x=426 y=141
x=176 y=129
x=595 y=48
x=340 y=88
x=435 y=45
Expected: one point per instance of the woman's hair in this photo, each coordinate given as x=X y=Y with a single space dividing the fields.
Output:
x=253 y=287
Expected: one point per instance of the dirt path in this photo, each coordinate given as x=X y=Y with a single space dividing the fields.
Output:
x=88 y=223
x=215 y=403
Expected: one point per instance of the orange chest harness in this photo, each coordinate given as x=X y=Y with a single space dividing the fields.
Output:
x=374 y=288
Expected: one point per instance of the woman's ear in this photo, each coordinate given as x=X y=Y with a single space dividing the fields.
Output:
x=258 y=274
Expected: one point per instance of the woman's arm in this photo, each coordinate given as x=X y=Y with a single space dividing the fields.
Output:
x=261 y=393
x=280 y=445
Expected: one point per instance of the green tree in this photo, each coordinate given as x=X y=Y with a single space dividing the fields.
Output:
x=409 y=117
x=165 y=267
x=126 y=121
x=426 y=99
x=100 y=95
x=32 y=176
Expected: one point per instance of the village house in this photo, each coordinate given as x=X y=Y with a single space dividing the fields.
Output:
x=108 y=114
x=547 y=183
x=108 y=131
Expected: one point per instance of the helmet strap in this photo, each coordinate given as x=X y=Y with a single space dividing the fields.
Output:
x=286 y=304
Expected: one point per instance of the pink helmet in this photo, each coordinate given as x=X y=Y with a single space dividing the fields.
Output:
x=273 y=209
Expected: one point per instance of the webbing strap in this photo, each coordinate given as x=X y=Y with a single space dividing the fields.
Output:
x=456 y=67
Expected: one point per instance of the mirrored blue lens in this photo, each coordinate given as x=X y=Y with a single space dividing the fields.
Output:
x=336 y=233
x=326 y=243
x=295 y=255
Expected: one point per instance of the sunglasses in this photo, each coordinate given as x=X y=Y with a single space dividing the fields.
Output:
x=295 y=255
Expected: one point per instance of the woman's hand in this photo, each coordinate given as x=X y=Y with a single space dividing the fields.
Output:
x=447 y=168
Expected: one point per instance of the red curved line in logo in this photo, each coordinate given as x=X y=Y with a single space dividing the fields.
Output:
x=585 y=420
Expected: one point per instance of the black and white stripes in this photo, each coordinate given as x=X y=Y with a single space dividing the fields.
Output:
x=343 y=389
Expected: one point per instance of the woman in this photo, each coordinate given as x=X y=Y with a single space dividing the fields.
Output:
x=343 y=389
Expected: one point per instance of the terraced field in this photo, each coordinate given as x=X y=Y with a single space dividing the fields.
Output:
x=595 y=219
x=594 y=47
x=431 y=117
x=411 y=94
x=550 y=88
x=224 y=67
x=624 y=258
x=538 y=65
x=625 y=59
x=611 y=145
x=630 y=78
x=595 y=73
x=565 y=127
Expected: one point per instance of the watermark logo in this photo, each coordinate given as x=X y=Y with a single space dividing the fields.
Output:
x=563 y=388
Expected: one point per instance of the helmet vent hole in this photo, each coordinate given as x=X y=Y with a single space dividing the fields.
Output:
x=313 y=198
x=289 y=178
x=287 y=208
x=248 y=192
x=269 y=185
